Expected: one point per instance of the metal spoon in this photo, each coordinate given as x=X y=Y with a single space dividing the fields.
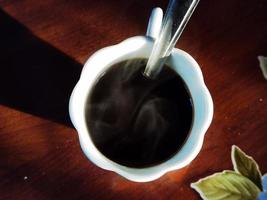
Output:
x=177 y=15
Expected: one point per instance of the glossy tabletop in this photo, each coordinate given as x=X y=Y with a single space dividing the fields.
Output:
x=43 y=46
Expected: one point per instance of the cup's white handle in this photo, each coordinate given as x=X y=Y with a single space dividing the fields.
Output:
x=154 y=24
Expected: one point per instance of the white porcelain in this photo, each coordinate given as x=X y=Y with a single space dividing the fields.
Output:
x=140 y=47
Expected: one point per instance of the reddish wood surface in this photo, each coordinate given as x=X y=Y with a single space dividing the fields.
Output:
x=43 y=46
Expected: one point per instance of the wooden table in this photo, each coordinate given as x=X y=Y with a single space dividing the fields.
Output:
x=43 y=47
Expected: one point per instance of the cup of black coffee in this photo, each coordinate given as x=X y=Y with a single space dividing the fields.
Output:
x=138 y=127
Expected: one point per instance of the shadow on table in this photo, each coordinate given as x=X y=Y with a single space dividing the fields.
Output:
x=35 y=77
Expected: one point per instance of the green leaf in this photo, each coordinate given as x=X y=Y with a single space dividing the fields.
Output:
x=227 y=185
x=263 y=65
x=246 y=166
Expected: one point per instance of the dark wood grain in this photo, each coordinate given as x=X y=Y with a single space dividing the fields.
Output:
x=43 y=46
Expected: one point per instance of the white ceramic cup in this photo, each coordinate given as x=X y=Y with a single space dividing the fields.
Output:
x=140 y=47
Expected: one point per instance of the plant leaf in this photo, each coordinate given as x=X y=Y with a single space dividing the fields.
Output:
x=246 y=166
x=227 y=185
x=263 y=65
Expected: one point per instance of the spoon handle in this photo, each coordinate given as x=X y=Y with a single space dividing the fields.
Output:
x=177 y=15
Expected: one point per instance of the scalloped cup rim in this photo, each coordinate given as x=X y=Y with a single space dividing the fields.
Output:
x=186 y=67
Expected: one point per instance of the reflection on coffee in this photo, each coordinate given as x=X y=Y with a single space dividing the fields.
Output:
x=135 y=121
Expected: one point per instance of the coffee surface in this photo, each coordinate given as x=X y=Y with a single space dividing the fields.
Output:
x=135 y=121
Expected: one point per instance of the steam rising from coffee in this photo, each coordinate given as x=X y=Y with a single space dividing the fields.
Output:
x=135 y=121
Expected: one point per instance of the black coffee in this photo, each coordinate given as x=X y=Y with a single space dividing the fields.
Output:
x=136 y=121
